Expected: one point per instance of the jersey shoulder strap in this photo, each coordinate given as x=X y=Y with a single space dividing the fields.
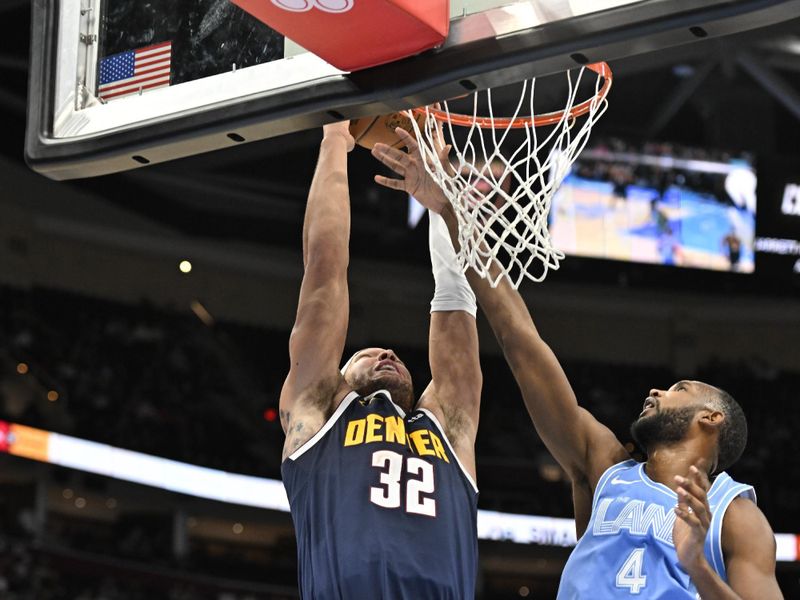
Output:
x=724 y=491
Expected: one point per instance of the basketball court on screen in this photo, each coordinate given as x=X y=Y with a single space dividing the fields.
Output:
x=685 y=223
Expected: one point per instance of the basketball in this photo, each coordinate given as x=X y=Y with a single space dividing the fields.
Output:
x=371 y=130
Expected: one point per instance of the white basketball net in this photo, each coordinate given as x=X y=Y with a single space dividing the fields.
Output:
x=507 y=229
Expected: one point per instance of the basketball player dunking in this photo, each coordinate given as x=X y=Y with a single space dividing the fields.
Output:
x=676 y=526
x=382 y=490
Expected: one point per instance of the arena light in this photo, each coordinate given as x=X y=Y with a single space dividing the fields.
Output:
x=202 y=482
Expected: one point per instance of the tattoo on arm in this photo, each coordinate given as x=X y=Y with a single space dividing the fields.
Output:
x=286 y=417
x=294 y=439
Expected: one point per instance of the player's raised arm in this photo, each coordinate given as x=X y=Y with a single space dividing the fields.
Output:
x=583 y=446
x=320 y=328
x=455 y=389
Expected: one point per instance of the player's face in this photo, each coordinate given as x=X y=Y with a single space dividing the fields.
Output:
x=373 y=369
x=681 y=394
x=668 y=414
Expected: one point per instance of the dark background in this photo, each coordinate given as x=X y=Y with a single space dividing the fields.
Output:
x=91 y=300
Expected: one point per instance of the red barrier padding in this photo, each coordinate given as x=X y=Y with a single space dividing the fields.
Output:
x=356 y=34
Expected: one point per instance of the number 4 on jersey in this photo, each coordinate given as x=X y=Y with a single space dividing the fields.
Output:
x=630 y=573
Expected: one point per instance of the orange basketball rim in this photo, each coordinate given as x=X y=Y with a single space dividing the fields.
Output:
x=601 y=68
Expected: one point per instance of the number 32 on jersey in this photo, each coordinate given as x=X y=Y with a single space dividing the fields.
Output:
x=390 y=493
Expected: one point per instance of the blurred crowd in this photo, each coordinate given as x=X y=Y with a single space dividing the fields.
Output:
x=139 y=378
x=669 y=150
x=30 y=572
x=658 y=167
x=165 y=383
x=53 y=553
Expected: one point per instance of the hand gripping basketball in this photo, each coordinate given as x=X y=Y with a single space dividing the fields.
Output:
x=331 y=6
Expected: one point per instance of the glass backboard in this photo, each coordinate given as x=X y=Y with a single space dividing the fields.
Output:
x=119 y=84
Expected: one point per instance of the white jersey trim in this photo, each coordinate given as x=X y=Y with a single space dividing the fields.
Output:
x=660 y=487
x=717 y=485
x=348 y=400
x=655 y=485
x=453 y=452
x=608 y=474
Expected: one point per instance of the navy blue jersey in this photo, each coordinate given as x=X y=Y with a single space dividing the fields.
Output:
x=382 y=508
x=627 y=548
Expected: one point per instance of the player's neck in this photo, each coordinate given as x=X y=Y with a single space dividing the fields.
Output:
x=665 y=462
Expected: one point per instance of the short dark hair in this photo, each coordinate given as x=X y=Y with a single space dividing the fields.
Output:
x=733 y=433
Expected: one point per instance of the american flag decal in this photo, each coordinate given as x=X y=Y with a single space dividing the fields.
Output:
x=134 y=71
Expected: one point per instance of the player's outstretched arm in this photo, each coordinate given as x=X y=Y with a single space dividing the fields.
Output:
x=583 y=446
x=317 y=340
x=455 y=389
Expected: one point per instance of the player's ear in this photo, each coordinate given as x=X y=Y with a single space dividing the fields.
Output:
x=711 y=417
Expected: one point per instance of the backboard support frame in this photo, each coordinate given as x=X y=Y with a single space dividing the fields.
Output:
x=485 y=49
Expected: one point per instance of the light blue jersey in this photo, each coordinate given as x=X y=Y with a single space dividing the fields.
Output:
x=627 y=548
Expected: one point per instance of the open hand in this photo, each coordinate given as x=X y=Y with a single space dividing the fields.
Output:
x=693 y=518
x=414 y=179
